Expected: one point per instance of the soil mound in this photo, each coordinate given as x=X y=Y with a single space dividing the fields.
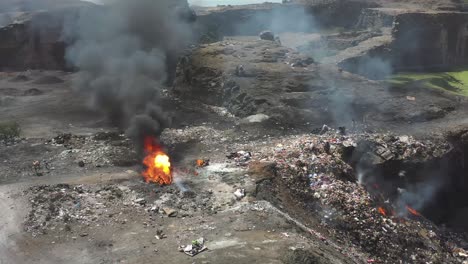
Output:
x=20 y=78
x=32 y=92
x=48 y=80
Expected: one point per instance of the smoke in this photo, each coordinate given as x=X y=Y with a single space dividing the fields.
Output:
x=122 y=51
x=418 y=195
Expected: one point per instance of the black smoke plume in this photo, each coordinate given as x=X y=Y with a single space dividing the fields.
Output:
x=122 y=51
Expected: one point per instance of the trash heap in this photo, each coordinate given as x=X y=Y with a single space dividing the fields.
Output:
x=99 y=150
x=61 y=206
x=316 y=170
x=65 y=207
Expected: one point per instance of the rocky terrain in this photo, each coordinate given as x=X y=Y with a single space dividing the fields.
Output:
x=287 y=143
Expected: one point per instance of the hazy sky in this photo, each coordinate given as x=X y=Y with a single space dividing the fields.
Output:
x=228 y=2
x=221 y=2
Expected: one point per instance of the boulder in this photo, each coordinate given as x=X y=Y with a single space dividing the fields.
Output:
x=267 y=35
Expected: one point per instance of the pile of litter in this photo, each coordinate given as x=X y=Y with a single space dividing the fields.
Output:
x=58 y=207
x=66 y=207
x=317 y=171
x=103 y=149
x=195 y=248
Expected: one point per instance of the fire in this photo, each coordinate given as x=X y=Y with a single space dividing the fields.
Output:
x=202 y=162
x=158 y=164
x=412 y=211
x=382 y=211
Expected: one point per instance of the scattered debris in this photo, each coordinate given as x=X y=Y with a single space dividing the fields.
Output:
x=195 y=248
x=241 y=157
x=239 y=193
x=170 y=212
x=257 y=118
x=140 y=201
x=160 y=234
x=36 y=166
x=240 y=71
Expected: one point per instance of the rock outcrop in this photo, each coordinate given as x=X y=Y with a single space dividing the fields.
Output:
x=35 y=40
x=308 y=94
x=215 y=23
x=418 y=40
x=430 y=40
x=33 y=44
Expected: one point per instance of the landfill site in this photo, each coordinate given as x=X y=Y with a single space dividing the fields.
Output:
x=167 y=131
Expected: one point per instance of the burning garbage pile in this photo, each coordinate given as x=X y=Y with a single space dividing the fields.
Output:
x=158 y=164
x=354 y=208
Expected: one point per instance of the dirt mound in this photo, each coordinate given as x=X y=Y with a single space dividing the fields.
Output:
x=9 y=91
x=20 y=78
x=49 y=79
x=32 y=92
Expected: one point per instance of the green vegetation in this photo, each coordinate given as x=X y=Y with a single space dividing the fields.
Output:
x=453 y=81
x=9 y=130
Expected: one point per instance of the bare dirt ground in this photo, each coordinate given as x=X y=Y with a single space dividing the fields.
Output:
x=122 y=229
x=86 y=202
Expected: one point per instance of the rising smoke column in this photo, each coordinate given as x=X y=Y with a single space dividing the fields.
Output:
x=122 y=50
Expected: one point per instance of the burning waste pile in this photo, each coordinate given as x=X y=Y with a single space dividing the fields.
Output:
x=158 y=164
x=124 y=64
x=364 y=211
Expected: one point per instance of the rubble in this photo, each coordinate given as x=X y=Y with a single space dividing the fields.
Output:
x=101 y=149
x=170 y=212
x=241 y=158
x=66 y=207
x=195 y=248
x=267 y=35
x=239 y=193
x=160 y=234
x=317 y=170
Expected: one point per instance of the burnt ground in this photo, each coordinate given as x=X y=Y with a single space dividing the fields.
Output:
x=87 y=203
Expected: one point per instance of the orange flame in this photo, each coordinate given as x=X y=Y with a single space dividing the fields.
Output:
x=382 y=211
x=158 y=164
x=202 y=163
x=412 y=211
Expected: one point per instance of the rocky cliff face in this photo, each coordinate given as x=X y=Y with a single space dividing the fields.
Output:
x=430 y=40
x=264 y=78
x=34 y=40
x=33 y=44
x=215 y=23
x=418 y=40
